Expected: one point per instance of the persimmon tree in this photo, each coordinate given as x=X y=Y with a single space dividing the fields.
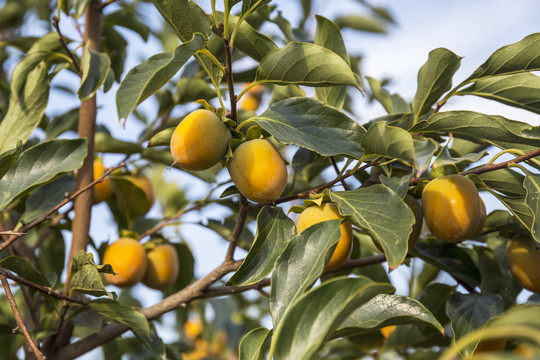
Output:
x=293 y=84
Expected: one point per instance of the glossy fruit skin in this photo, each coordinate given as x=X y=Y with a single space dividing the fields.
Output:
x=103 y=190
x=452 y=208
x=162 y=269
x=316 y=214
x=258 y=171
x=524 y=261
x=128 y=259
x=200 y=140
x=482 y=220
x=416 y=208
x=142 y=181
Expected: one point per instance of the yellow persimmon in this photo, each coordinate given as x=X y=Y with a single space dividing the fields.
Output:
x=200 y=140
x=128 y=260
x=524 y=261
x=328 y=211
x=452 y=208
x=163 y=266
x=258 y=171
x=103 y=190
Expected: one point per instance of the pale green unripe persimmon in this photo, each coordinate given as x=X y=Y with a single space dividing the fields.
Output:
x=258 y=171
x=316 y=214
x=200 y=140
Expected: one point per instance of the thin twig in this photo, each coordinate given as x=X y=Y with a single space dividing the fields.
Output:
x=63 y=42
x=165 y=222
x=11 y=232
x=43 y=289
x=68 y=199
x=19 y=319
x=334 y=164
x=107 y=3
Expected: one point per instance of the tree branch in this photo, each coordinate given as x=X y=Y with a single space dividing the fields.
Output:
x=86 y=129
x=165 y=222
x=63 y=42
x=229 y=73
x=238 y=227
x=43 y=289
x=19 y=319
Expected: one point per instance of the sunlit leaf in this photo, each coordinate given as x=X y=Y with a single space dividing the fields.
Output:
x=114 y=311
x=95 y=67
x=389 y=141
x=254 y=344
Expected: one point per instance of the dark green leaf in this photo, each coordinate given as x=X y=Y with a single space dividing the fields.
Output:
x=425 y=149
x=252 y=5
x=162 y=138
x=44 y=198
x=117 y=312
x=299 y=335
x=451 y=258
x=518 y=90
x=382 y=214
x=517 y=57
x=361 y=23
x=127 y=18
x=254 y=344
x=302 y=262
x=8 y=159
x=299 y=121
x=306 y=64
x=385 y=310
x=193 y=89
x=248 y=40
x=105 y=143
x=389 y=141
x=85 y=278
x=62 y=123
x=39 y=165
x=185 y=17
x=329 y=36
x=24 y=269
x=506 y=181
x=434 y=79
x=532 y=199
x=148 y=77
x=95 y=67
x=468 y=312
x=25 y=109
x=494 y=129
x=274 y=230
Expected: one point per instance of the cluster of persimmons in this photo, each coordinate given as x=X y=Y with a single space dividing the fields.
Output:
x=450 y=205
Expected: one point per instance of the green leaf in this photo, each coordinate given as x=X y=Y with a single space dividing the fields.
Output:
x=248 y=40
x=8 y=159
x=148 y=77
x=24 y=269
x=274 y=230
x=313 y=125
x=518 y=57
x=532 y=199
x=382 y=214
x=25 y=109
x=300 y=334
x=329 y=36
x=44 y=198
x=41 y=164
x=453 y=259
x=505 y=181
x=494 y=129
x=518 y=90
x=162 y=138
x=252 y=5
x=192 y=89
x=105 y=143
x=21 y=71
x=300 y=264
x=85 y=278
x=114 y=311
x=306 y=64
x=389 y=141
x=254 y=344
x=384 y=310
x=361 y=23
x=425 y=149
x=445 y=158
x=434 y=79
x=185 y=17
x=468 y=312
x=96 y=67
x=62 y=123
x=127 y=18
